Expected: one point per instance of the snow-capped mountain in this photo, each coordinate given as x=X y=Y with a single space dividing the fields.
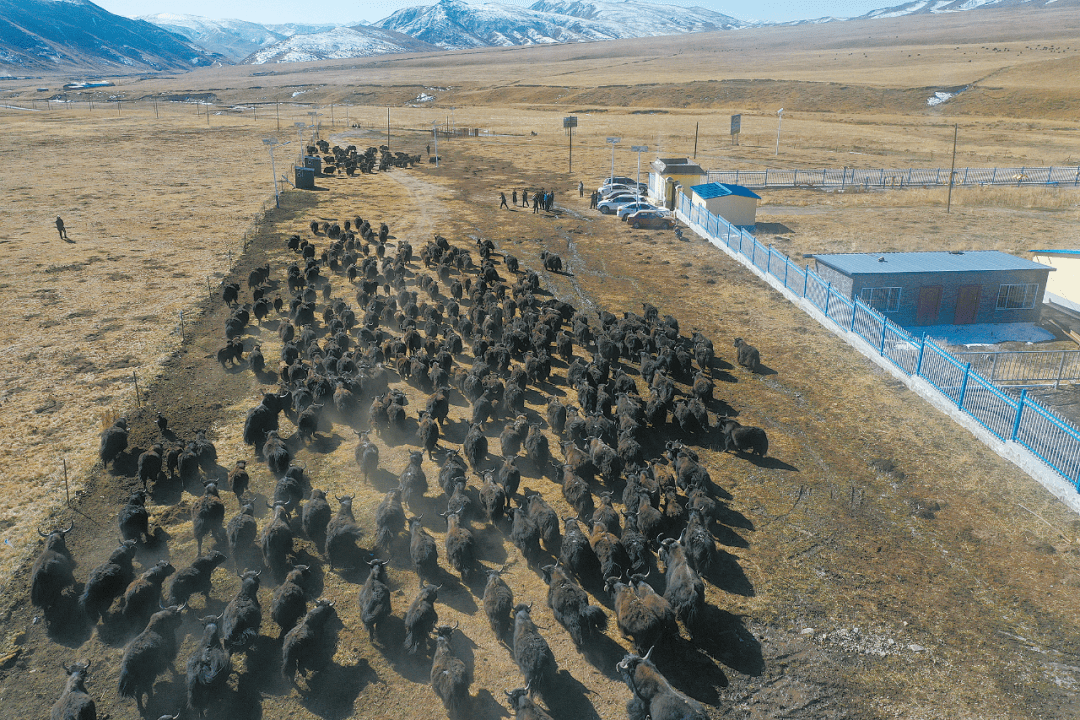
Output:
x=235 y=39
x=457 y=24
x=49 y=34
x=336 y=44
x=930 y=7
x=642 y=19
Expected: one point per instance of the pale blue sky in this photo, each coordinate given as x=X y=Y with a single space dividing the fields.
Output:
x=342 y=11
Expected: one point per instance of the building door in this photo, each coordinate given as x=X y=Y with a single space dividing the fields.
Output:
x=967 y=304
x=929 y=305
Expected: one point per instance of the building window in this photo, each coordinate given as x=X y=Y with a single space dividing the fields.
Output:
x=886 y=299
x=1017 y=297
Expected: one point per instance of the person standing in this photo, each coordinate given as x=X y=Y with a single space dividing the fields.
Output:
x=536 y=202
x=550 y=200
x=514 y=197
x=502 y=203
x=581 y=189
x=60 y=228
x=524 y=198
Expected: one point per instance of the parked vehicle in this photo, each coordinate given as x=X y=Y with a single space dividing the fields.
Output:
x=620 y=179
x=634 y=207
x=608 y=188
x=651 y=219
x=609 y=206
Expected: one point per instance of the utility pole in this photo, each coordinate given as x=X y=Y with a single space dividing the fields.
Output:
x=387 y=129
x=952 y=170
x=613 y=141
x=697 y=126
x=779 y=122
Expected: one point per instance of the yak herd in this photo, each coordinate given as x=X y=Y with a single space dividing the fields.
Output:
x=464 y=334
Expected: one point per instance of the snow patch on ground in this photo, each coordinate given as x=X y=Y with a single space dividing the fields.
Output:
x=939 y=97
x=424 y=97
x=986 y=333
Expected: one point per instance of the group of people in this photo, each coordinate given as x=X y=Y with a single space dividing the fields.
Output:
x=541 y=200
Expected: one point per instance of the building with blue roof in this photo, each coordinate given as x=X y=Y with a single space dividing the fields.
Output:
x=734 y=203
x=940 y=288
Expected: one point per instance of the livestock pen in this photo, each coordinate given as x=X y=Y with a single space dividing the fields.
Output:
x=1009 y=417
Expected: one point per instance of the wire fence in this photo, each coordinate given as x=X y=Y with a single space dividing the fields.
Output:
x=966 y=383
x=898 y=178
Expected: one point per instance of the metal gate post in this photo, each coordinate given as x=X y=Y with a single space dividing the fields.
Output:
x=884 y=327
x=918 y=364
x=963 y=386
x=805 y=278
x=828 y=295
x=1019 y=413
x=1061 y=367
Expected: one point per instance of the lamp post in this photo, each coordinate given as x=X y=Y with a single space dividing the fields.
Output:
x=300 y=138
x=613 y=141
x=637 y=178
x=270 y=144
x=779 y=121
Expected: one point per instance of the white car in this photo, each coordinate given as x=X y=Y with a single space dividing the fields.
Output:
x=609 y=188
x=633 y=208
x=608 y=207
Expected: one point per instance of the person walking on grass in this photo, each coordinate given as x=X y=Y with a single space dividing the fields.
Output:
x=60 y=228
x=502 y=203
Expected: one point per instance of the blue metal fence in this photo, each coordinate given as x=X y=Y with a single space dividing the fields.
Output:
x=900 y=177
x=1010 y=418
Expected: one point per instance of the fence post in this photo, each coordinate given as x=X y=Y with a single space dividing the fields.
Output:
x=884 y=327
x=843 y=178
x=1019 y=413
x=937 y=177
x=963 y=386
x=918 y=364
x=766 y=177
x=993 y=177
x=768 y=271
x=1061 y=368
x=753 y=250
x=786 y=263
x=805 y=278
x=965 y=176
x=828 y=296
x=883 y=177
x=854 y=311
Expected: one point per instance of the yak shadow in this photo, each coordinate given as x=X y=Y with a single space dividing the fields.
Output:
x=169 y=697
x=484 y=706
x=333 y=692
x=603 y=653
x=566 y=698
x=691 y=671
x=126 y=464
x=167 y=491
x=726 y=574
x=65 y=624
x=769 y=462
x=384 y=480
x=455 y=594
x=490 y=544
x=726 y=536
x=325 y=444
x=724 y=637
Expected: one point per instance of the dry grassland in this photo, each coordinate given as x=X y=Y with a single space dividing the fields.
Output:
x=880 y=564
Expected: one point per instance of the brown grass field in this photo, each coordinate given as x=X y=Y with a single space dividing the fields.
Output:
x=881 y=562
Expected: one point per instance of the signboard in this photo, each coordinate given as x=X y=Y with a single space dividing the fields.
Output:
x=736 y=125
x=569 y=122
x=639 y=148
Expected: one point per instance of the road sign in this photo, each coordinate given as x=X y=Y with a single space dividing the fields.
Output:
x=736 y=123
x=569 y=122
x=639 y=148
x=613 y=140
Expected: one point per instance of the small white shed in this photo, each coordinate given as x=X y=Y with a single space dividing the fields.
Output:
x=734 y=203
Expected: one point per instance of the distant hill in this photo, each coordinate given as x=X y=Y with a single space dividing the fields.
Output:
x=643 y=19
x=235 y=39
x=339 y=43
x=44 y=35
x=931 y=7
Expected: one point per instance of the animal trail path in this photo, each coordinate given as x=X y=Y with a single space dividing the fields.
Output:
x=427 y=200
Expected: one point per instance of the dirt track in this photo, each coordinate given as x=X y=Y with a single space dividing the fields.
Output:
x=881 y=563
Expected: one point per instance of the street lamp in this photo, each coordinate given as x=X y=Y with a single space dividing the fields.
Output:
x=300 y=138
x=637 y=179
x=613 y=141
x=779 y=121
x=270 y=144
